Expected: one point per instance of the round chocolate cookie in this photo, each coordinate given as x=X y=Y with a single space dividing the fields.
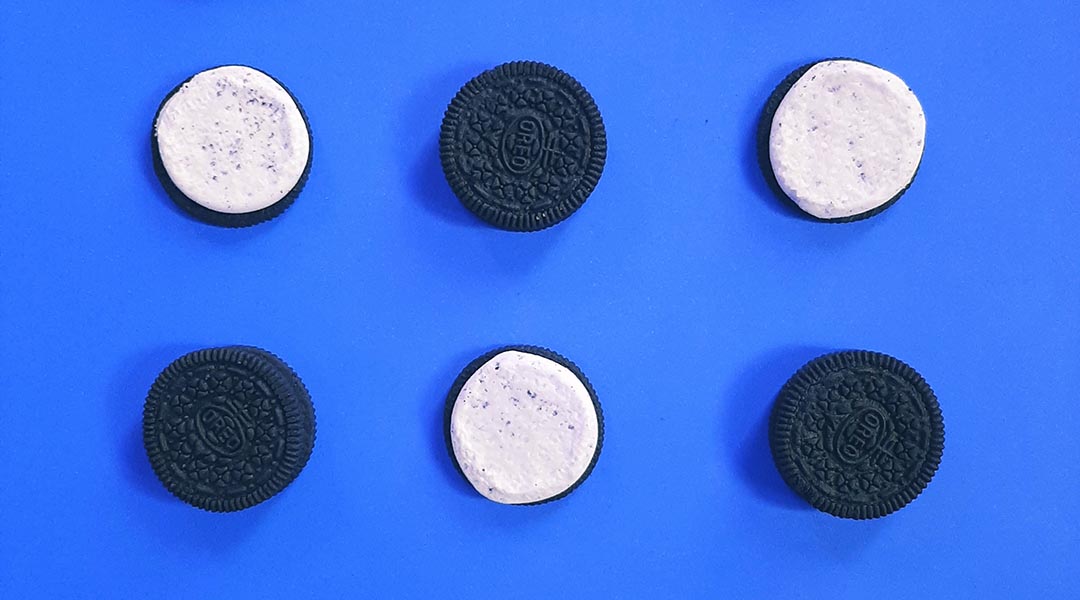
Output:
x=523 y=425
x=231 y=146
x=226 y=428
x=841 y=139
x=857 y=434
x=523 y=146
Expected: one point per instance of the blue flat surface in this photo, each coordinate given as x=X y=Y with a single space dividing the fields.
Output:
x=684 y=290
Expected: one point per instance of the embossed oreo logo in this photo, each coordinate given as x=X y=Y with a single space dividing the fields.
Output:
x=523 y=145
x=221 y=428
x=860 y=434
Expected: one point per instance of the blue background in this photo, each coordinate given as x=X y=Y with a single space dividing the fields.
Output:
x=684 y=290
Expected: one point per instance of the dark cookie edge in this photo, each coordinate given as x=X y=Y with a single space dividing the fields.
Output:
x=303 y=396
x=475 y=364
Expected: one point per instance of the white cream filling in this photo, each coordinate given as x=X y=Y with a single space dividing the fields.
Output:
x=846 y=138
x=523 y=428
x=233 y=140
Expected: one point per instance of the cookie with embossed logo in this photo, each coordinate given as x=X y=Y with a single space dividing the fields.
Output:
x=227 y=428
x=523 y=146
x=857 y=434
x=231 y=146
x=523 y=425
x=841 y=139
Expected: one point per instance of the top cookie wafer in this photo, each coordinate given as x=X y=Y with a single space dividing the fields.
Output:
x=227 y=428
x=523 y=146
x=857 y=434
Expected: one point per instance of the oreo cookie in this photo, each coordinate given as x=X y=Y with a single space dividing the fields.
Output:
x=227 y=428
x=231 y=146
x=841 y=139
x=523 y=145
x=523 y=425
x=857 y=434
